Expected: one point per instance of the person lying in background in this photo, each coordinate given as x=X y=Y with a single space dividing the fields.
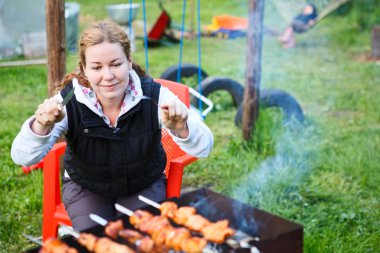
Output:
x=114 y=150
x=300 y=24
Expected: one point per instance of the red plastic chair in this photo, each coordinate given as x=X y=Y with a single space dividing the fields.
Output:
x=53 y=209
x=28 y=169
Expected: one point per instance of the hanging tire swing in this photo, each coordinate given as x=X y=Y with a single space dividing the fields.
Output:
x=276 y=98
x=213 y=84
x=187 y=70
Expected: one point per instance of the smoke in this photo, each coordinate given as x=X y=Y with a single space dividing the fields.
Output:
x=296 y=150
x=279 y=175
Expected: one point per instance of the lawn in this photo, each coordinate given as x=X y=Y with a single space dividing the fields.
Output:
x=323 y=174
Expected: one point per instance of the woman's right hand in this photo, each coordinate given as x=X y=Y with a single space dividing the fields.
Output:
x=47 y=114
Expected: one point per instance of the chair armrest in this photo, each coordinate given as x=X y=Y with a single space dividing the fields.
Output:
x=28 y=169
x=174 y=179
x=184 y=159
x=58 y=147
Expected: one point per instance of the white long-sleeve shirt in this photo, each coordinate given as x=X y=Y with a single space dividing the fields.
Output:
x=29 y=148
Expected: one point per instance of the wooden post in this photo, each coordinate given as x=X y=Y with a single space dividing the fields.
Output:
x=376 y=42
x=56 y=44
x=253 y=71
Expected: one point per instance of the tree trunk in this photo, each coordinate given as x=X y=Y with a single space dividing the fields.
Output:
x=56 y=44
x=376 y=42
x=253 y=71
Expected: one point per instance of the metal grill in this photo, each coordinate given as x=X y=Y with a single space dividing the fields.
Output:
x=259 y=229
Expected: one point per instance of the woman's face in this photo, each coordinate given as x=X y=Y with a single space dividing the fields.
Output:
x=107 y=70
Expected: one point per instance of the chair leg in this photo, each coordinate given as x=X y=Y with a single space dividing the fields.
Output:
x=174 y=180
x=49 y=229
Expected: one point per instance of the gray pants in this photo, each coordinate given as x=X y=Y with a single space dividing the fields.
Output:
x=79 y=202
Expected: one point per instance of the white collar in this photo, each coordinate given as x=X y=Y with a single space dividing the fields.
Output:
x=132 y=96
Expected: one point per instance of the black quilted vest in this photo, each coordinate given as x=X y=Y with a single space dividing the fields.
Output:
x=115 y=162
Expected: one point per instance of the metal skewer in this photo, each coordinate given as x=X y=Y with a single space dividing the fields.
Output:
x=69 y=230
x=98 y=219
x=33 y=239
x=149 y=201
x=154 y=102
x=233 y=242
x=148 y=98
x=124 y=210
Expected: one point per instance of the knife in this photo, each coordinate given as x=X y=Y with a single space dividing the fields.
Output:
x=66 y=99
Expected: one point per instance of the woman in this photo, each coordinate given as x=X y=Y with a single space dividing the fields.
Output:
x=114 y=149
x=301 y=23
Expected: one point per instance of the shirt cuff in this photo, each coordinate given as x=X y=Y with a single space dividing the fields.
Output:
x=41 y=138
x=190 y=127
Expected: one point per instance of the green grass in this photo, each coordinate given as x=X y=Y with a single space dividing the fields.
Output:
x=323 y=175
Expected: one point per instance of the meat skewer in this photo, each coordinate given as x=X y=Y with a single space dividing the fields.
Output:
x=162 y=232
x=187 y=216
x=218 y=232
x=52 y=245
x=98 y=244
x=116 y=228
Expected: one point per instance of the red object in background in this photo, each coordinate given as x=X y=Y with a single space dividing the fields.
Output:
x=227 y=22
x=158 y=29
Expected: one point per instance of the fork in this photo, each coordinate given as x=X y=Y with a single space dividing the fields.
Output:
x=149 y=98
x=165 y=108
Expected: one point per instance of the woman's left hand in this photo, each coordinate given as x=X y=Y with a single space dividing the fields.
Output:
x=174 y=116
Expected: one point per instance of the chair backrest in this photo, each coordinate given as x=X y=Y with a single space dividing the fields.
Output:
x=171 y=148
x=181 y=90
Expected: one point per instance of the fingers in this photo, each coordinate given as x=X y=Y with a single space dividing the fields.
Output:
x=175 y=110
x=174 y=115
x=49 y=106
x=49 y=112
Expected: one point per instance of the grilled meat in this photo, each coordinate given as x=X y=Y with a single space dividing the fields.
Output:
x=212 y=231
x=139 y=217
x=155 y=223
x=196 y=222
x=113 y=228
x=102 y=244
x=164 y=234
x=183 y=213
x=56 y=246
x=168 y=208
x=144 y=243
x=175 y=238
x=193 y=244
x=88 y=240
x=130 y=235
x=217 y=231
